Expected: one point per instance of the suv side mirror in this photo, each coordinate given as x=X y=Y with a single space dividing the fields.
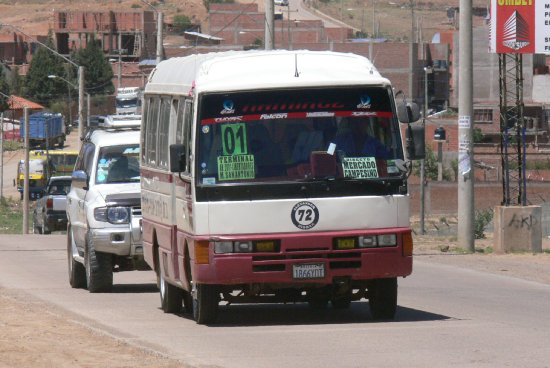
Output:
x=177 y=158
x=80 y=179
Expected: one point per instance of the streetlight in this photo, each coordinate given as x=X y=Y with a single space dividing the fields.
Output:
x=80 y=79
x=53 y=76
x=160 y=24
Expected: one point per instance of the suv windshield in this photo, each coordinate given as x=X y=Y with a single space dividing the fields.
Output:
x=118 y=164
x=298 y=135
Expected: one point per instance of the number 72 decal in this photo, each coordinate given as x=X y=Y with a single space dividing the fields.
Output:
x=304 y=215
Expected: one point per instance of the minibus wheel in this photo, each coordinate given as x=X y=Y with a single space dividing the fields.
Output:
x=205 y=303
x=171 y=297
x=382 y=294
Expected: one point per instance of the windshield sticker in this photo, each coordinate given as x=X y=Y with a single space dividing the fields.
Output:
x=365 y=102
x=360 y=167
x=392 y=167
x=130 y=150
x=294 y=115
x=206 y=129
x=228 y=107
x=236 y=167
x=234 y=139
x=209 y=181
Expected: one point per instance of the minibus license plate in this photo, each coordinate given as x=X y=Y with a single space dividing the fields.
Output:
x=308 y=271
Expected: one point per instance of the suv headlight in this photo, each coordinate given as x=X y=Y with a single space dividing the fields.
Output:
x=114 y=215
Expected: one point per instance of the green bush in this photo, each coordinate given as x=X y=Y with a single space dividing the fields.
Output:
x=482 y=219
x=430 y=166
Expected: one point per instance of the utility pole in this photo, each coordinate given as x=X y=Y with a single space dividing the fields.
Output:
x=80 y=105
x=25 y=229
x=160 y=26
x=269 y=36
x=465 y=131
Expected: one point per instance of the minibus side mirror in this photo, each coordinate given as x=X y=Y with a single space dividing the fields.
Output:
x=408 y=113
x=80 y=179
x=177 y=158
x=415 y=142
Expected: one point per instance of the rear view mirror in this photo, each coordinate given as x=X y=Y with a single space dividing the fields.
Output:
x=415 y=141
x=79 y=179
x=408 y=113
x=177 y=158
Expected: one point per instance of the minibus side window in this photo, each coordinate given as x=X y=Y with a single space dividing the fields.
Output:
x=144 y=129
x=163 y=127
x=151 y=133
x=187 y=124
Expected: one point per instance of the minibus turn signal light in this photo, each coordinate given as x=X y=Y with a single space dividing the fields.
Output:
x=202 y=254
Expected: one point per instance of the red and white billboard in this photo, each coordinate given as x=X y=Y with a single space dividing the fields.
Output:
x=520 y=26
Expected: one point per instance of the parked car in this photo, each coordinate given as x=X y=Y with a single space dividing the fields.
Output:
x=49 y=214
x=281 y=2
x=104 y=210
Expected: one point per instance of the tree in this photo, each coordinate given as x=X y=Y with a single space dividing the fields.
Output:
x=17 y=82
x=181 y=23
x=5 y=89
x=98 y=73
x=38 y=87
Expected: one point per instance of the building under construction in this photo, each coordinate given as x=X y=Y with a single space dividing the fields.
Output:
x=130 y=35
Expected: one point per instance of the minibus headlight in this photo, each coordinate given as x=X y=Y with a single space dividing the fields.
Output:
x=387 y=240
x=221 y=247
x=367 y=241
x=243 y=247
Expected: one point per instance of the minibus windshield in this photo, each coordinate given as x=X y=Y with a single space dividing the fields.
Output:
x=296 y=135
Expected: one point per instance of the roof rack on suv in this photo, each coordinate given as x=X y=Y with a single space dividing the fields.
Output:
x=115 y=123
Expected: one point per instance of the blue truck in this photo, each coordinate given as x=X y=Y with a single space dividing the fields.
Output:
x=45 y=130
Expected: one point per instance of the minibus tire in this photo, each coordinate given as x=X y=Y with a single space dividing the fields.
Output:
x=99 y=271
x=171 y=297
x=382 y=294
x=77 y=272
x=205 y=303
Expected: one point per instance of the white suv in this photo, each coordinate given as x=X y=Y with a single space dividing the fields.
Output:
x=104 y=210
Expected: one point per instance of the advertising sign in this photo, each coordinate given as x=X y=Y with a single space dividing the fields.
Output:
x=520 y=26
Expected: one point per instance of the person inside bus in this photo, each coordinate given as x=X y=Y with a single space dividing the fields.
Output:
x=354 y=140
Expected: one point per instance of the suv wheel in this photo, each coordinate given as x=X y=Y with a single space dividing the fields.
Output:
x=99 y=271
x=77 y=273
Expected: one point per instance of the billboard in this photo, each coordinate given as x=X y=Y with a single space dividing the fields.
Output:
x=520 y=26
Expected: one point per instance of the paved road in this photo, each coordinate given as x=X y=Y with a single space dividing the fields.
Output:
x=447 y=316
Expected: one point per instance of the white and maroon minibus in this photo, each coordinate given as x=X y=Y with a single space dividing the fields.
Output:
x=274 y=176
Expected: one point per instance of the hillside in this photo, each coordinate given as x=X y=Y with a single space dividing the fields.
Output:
x=392 y=17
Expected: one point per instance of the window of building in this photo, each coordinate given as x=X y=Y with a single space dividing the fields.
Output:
x=483 y=115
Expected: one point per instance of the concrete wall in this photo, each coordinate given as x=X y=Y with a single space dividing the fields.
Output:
x=541 y=86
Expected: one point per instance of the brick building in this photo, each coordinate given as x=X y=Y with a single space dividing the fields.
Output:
x=131 y=34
